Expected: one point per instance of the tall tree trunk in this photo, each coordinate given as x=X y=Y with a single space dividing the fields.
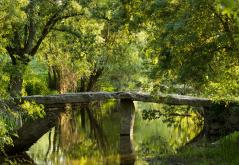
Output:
x=82 y=84
x=54 y=77
x=16 y=79
x=93 y=79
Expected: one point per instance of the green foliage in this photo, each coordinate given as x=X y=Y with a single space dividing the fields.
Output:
x=35 y=87
x=193 y=43
x=4 y=78
x=33 y=109
x=227 y=87
x=229 y=8
x=11 y=14
x=5 y=139
x=7 y=125
x=112 y=45
x=35 y=79
x=125 y=66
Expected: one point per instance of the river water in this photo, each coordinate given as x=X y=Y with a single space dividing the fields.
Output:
x=90 y=134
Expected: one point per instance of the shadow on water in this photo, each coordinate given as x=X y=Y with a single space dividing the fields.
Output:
x=106 y=133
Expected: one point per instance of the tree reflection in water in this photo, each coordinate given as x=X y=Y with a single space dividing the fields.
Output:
x=92 y=134
x=90 y=138
x=177 y=126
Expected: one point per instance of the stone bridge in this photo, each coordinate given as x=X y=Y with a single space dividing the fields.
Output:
x=171 y=99
x=30 y=133
x=221 y=116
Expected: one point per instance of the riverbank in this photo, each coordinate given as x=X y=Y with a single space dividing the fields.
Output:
x=222 y=152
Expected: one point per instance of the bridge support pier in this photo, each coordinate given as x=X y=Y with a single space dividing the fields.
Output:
x=127 y=112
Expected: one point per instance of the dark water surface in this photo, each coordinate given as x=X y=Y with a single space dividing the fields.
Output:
x=91 y=134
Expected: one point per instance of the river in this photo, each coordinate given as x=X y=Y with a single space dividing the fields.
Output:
x=92 y=134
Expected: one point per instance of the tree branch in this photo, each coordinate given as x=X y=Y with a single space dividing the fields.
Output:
x=68 y=30
x=30 y=30
x=31 y=36
x=225 y=24
x=50 y=24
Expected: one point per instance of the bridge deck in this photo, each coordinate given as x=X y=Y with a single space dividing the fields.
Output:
x=171 y=99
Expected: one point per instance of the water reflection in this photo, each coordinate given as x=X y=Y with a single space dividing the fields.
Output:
x=82 y=135
x=165 y=128
x=104 y=133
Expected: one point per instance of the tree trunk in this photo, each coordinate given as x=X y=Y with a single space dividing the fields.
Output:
x=82 y=85
x=16 y=80
x=93 y=79
x=54 y=78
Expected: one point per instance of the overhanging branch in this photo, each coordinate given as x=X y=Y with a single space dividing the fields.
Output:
x=50 y=24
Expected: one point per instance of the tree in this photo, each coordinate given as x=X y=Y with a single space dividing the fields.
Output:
x=194 y=44
x=25 y=36
x=85 y=53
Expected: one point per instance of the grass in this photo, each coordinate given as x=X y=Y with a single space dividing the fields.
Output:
x=223 y=152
